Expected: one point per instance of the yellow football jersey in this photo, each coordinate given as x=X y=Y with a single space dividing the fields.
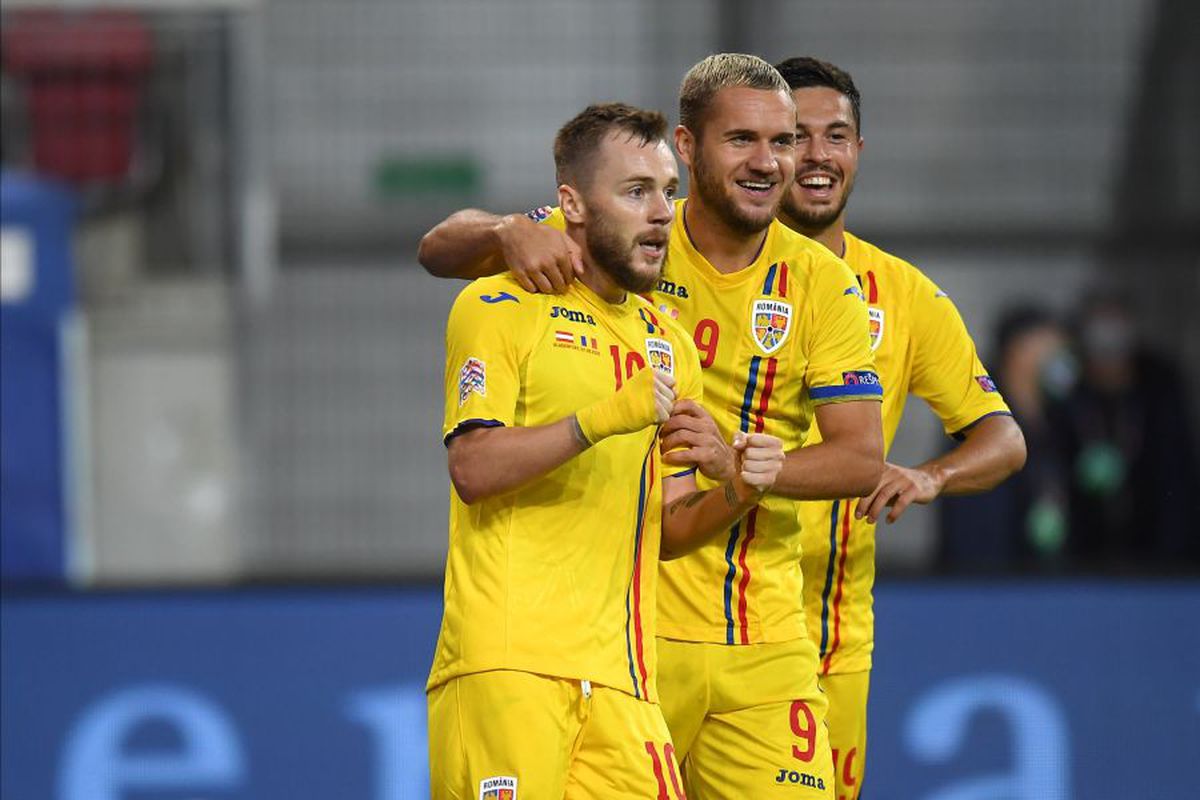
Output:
x=559 y=576
x=921 y=346
x=777 y=338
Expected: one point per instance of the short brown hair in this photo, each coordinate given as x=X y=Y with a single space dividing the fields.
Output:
x=576 y=144
x=723 y=71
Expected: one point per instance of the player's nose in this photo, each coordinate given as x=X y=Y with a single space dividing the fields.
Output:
x=661 y=210
x=762 y=159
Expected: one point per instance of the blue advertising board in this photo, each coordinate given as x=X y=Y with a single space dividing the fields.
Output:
x=980 y=692
x=37 y=296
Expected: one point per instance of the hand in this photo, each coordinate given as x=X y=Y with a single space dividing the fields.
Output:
x=541 y=258
x=691 y=436
x=760 y=460
x=644 y=400
x=664 y=395
x=898 y=488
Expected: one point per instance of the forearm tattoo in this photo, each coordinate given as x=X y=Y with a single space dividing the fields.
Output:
x=685 y=502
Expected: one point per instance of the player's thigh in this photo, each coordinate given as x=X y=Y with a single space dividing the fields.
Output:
x=778 y=749
x=624 y=753
x=847 y=718
x=491 y=729
x=683 y=689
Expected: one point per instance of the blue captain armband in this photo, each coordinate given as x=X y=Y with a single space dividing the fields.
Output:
x=856 y=385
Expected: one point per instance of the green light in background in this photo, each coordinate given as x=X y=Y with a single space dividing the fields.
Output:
x=403 y=177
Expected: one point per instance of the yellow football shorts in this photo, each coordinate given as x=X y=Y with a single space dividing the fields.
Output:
x=847 y=695
x=748 y=721
x=508 y=735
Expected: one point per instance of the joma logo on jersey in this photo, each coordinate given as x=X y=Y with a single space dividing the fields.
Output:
x=800 y=778
x=770 y=321
x=571 y=315
x=672 y=288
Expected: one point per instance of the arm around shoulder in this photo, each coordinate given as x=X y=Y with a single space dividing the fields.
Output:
x=465 y=245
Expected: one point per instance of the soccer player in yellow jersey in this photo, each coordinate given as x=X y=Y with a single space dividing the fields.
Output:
x=781 y=327
x=544 y=679
x=921 y=346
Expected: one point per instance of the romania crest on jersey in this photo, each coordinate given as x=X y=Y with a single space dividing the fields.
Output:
x=875 y=325
x=662 y=357
x=770 y=321
x=499 y=788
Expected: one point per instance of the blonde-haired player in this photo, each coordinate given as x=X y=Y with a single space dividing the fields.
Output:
x=544 y=679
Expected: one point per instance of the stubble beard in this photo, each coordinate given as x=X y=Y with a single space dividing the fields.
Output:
x=712 y=189
x=614 y=254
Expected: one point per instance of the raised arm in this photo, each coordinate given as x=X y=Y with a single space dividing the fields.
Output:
x=993 y=450
x=472 y=244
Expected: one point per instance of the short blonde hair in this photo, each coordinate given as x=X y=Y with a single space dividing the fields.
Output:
x=723 y=71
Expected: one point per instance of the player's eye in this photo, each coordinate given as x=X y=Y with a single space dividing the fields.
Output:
x=670 y=192
x=636 y=191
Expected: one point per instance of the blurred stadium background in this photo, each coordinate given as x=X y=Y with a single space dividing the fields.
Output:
x=223 y=493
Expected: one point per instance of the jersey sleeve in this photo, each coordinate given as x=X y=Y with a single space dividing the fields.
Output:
x=946 y=371
x=841 y=365
x=487 y=339
x=548 y=215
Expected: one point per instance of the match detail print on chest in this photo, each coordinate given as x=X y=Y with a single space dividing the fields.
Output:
x=621 y=346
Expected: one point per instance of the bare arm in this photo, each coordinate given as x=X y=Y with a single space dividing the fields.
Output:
x=472 y=243
x=993 y=450
x=847 y=462
x=486 y=462
x=691 y=517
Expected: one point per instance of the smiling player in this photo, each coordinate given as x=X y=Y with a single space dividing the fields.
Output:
x=921 y=346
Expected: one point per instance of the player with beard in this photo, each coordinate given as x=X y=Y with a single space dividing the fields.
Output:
x=544 y=677
x=782 y=330
x=921 y=346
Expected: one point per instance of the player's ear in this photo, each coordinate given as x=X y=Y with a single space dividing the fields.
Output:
x=571 y=202
x=685 y=145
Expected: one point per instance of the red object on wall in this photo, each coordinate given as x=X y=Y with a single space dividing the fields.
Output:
x=84 y=75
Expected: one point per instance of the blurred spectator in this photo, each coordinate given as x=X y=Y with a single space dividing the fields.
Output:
x=1129 y=444
x=1024 y=520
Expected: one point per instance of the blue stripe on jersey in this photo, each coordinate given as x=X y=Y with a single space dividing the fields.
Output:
x=729 y=575
x=833 y=521
x=853 y=390
x=769 y=283
x=637 y=542
x=684 y=474
x=748 y=398
x=747 y=402
x=470 y=425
